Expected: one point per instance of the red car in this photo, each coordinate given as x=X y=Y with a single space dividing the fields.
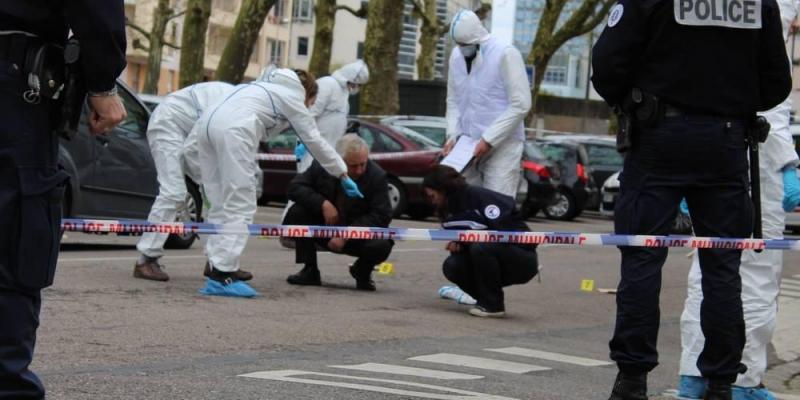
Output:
x=406 y=161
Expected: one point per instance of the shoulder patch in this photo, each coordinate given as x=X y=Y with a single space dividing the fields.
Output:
x=615 y=15
x=739 y=14
x=492 y=211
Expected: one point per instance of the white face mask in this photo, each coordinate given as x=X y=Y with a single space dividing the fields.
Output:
x=469 y=50
x=353 y=89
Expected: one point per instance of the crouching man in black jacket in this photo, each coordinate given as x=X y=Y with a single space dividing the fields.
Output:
x=319 y=200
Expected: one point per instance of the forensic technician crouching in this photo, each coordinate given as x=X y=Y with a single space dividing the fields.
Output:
x=319 y=200
x=480 y=269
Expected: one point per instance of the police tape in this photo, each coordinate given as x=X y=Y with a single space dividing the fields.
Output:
x=416 y=234
x=374 y=156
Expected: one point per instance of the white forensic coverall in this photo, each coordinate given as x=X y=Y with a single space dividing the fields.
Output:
x=167 y=133
x=228 y=137
x=761 y=272
x=489 y=102
x=332 y=106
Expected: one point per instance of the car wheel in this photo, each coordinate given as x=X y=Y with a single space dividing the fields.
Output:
x=191 y=212
x=564 y=208
x=397 y=196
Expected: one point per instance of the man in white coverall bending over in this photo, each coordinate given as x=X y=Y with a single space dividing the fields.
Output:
x=228 y=138
x=761 y=272
x=167 y=131
x=332 y=106
x=488 y=97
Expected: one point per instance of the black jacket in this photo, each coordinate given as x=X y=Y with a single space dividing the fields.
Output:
x=714 y=70
x=477 y=208
x=99 y=25
x=311 y=188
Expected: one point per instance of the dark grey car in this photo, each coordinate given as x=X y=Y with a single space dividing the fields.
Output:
x=114 y=176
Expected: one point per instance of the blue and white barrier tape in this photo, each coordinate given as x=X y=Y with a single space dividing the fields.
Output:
x=413 y=234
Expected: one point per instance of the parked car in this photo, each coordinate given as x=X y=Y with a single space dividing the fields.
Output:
x=434 y=128
x=542 y=177
x=603 y=159
x=421 y=140
x=114 y=176
x=405 y=162
x=609 y=193
x=576 y=187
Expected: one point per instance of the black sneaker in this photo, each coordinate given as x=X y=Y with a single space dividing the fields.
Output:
x=480 y=311
x=308 y=276
x=365 y=284
x=718 y=391
x=629 y=387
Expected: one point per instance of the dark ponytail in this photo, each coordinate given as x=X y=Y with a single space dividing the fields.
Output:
x=444 y=179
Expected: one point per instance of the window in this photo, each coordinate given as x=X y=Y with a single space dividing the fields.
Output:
x=603 y=155
x=137 y=118
x=217 y=38
x=276 y=51
x=556 y=75
x=303 y=10
x=279 y=9
x=302 y=46
x=389 y=145
x=369 y=136
x=360 y=50
x=286 y=140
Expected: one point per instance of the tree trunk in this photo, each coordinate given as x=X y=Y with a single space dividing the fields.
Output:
x=236 y=56
x=161 y=16
x=381 y=46
x=430 y=32
x=193 y=42
x=325 y=14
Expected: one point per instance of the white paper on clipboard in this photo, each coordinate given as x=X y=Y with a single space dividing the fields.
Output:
x=461 y=154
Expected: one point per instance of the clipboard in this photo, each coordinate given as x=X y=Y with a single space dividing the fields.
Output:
x=461 y=154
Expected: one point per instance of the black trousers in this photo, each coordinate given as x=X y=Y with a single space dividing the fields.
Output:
x=483 y=269
x=31 y=188
x=369 y=252
x=703 y=159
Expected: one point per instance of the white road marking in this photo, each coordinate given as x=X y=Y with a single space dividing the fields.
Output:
x=790 y=293
x=790 y=285
x=457 y=394
x=410 y=371
x=790 y=281
x=480 y=363
x=128 y=258
x=543 y=355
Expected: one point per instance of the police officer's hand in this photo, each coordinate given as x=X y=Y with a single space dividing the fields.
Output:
x=107 y=112
x=330 y=213
x=795 y=26
x=481 y=149
x=448 y=146
x=454 y=247
x=336 y=245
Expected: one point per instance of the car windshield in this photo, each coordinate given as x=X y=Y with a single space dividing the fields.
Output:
x=603 y=155
x=418 y=139
x=437 y=134
x=555 y=152
x=533 y=151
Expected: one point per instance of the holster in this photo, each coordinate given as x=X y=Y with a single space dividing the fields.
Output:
x=638 y=109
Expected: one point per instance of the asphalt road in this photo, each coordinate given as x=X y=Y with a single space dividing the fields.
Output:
x=106 y=335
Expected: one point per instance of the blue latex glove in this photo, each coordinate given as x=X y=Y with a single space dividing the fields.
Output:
x=300 y=151
x=684 y=207
x=791 y=190
x=350 y=188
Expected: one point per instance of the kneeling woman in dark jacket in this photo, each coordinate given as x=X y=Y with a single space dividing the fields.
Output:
x=480 y=269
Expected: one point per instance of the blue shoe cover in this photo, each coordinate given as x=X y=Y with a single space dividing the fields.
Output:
x=233 y=289
x=691 y=387
x=751 y=393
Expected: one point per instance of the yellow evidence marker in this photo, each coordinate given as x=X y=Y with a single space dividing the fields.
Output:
x=386 y=268
x=587 y=285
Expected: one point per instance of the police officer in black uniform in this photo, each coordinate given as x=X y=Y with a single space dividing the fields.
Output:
x=32 y=36
x=690 y=76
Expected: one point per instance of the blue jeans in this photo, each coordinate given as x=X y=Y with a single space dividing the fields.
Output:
x=703 y=159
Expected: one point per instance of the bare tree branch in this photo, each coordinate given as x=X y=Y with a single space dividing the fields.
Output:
x=137 y=45
x=360 y=13
x=483 y=11
x=597 y=18
x=172 y=45
x=138 y=28
x=176 y=15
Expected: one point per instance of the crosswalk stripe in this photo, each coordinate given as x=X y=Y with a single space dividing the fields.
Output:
x=410 y=371
x=544 y=355
x=790 y=293
x=479 y=363
x=790 y=286
x=791 y=281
